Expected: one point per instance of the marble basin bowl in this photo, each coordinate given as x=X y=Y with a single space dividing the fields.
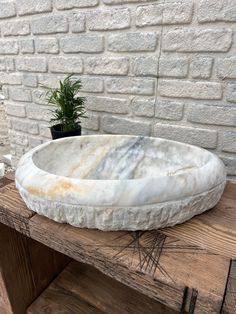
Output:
x=114 y=182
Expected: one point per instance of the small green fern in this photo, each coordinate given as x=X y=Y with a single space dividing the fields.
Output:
x=69 y=106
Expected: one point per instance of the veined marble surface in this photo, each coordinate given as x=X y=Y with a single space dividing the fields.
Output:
x=114 y=182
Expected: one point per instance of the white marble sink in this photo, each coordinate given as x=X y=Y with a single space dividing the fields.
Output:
x=114 y=182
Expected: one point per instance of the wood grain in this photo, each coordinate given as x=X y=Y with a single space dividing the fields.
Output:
x=156 y=265
x=161 y=264
x=214 y=230
x=84 y=285
x=4 y=181
x=13 y=211
x=229 y=306
x=5 y=305
x=10 y=176
x=26 y=268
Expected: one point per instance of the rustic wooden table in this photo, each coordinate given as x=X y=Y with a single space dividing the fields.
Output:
x=190 y=267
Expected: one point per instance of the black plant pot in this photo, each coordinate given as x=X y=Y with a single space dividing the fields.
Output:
x=56 y=131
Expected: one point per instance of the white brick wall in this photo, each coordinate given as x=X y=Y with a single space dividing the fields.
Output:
x=155 y=68
x=3 y=126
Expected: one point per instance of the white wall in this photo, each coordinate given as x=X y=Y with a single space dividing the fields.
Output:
x=158 y=68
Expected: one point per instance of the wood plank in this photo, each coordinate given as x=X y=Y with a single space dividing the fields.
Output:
x=26 y=268
x=4 y=181
x=80 y=283
x=10 y=175
x=229 y=305
x=5 y=305
x=214 y=230
x=13 y=211
x=156 y=265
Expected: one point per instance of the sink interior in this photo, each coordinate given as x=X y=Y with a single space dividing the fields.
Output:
x=117 y=158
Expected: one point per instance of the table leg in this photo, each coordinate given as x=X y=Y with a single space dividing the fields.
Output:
x=26 y=269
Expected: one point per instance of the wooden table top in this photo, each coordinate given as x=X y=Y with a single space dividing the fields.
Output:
x=189 y=267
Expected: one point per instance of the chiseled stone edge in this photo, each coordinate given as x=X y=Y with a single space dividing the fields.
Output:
x=147 y=217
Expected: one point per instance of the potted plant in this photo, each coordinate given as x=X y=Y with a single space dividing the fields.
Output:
x=69 y=108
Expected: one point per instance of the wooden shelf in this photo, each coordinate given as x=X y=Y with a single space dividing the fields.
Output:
x=81 y=288
x=189 y=267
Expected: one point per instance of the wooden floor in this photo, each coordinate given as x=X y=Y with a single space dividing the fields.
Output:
x=189 y=267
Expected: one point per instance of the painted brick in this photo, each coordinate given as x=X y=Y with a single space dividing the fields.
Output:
x=123 y=1
x=44 y=131
x=15 y=28
x=40 y=96
x=164 y=13
x=2 y=64
x=169 y=110
x=107 y=66
x=91 y=123
x=30 y=80
x=8 y=47
x=188 y=89
x=82 y=43
x=51 y=81
x=15 y=110
x=145 y=66
x=26 y=46
x=50 y=24
x=26 y=7
x=9 y=124
x=229 y=142
x=34 y=141
x=218 y=115
x=196 y=136
x=7 y=9
x=66 y=65
x=124 y=126
x=77 y=22
x=25 y=126
x=10 y=63
x=135 y=41
x=143 y=107
x=40 y=113
x=214 y=11
x=226 y=67
x=201 y=67
x=108 y=19
x=173 y=67
x=70 y=4
x=129 y=85
x=230 y=163
x=231 y=92
x=19 y=138
x=18 y=151
x=11 y=78
x=31 y=64
x=121 y=68
x=194 y=40
x=107 y=104
x=5 y=92
x=20 y=94
x=87 y=132
x=46 y=45
x=92 y=84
